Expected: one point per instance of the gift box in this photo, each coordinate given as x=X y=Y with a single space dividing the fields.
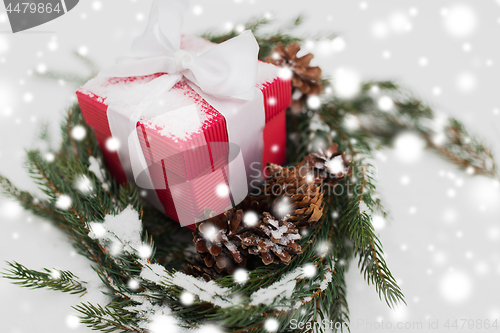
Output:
x=177 y=145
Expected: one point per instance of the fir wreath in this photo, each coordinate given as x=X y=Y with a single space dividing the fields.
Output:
x=139 y=253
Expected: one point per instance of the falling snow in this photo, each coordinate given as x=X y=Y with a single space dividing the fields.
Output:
x=455 y=208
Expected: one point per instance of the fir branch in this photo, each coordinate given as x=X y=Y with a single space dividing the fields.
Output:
x=108 y=319
x=447 y=137
x=76 y=79
x=358 y=225
x=267 y=40
x=37 y=206
x=63 y=281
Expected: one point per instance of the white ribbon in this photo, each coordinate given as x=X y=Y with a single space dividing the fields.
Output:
x=224 y=75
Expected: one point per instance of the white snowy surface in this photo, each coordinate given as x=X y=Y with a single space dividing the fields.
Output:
x=443 y=234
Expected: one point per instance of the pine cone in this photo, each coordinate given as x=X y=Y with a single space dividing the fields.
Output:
x=197 y=268
x=273 y=240
x=257 y=204
x=224 y=242
x=215 y=240
x=294 y=193
x=330 y=165
x=306 y=80
x=298 y=191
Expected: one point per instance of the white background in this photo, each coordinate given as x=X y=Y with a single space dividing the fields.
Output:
x=442 y=238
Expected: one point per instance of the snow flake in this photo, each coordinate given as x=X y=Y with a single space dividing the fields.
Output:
x=28 y=97
x=423 y=61
x=378 y=222
x=459 y=20
x=466 y=82
x=347 y=83
x=72 y=321
x=455 y=286
x=271 y=325
x=240 y=275
x=336 y=165
x=78 y=132
x=313 y=102
x=112 y=144
x=310 y=270
x=83 y=184
x=63 y=202
x=11 y=209
x=222 y=190
x=187 y=298
x=385 y=103
x=133 y=284
x=197 y=10
x=409 y=147
x=96 y=5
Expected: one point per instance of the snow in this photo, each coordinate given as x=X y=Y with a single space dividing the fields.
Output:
x=250 y=218
x=112 y=144
x=347 y=83
x=266 y=73
x=240 y=275
x=78 y=132
x=95 y=167
x=282 y=289
x=157 y=318
x=322 y=248
x=313 y=102
x=455 y=287
x=63 y=202
x=310 y=270
x=222 y=297
x=206 y=291
x=187 y=298
x=317 y=124
x=336 y=165
x=385 y=103
x=119 y=92
x=72 y=321
x=179 y=123
x=152 y=272
x=409 y=147
x=459 y=20
x=466 y=82
x=10 y=209
x=271 y=325
x=125 y=227
x=163 y=324
x=84 y=184
x=231 y=247
x=378 y=222
x=326 y=281
x=288 y=238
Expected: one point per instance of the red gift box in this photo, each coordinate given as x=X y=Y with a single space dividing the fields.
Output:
x=196 y=189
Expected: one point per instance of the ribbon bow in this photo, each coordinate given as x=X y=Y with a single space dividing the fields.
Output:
x=227 y=70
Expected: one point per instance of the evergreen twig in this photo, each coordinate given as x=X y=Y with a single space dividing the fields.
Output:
x=63 y=281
